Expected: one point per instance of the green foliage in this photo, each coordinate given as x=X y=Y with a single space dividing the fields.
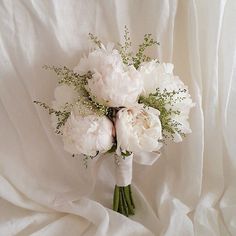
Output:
x=86 y=159
x=129 y=57
x=164 y=101
x=69 y=77
x=86 y=103
x=113 y=148
x=61 y=116
x=126 y=153
x=135 y=59
x=79 y=82
x=95 y=40
x=140 y=57
x=124 y=49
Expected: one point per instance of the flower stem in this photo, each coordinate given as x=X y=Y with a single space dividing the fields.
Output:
x=129 y=200
x=130 y=195
x=121 y=203
x=116 y=198
x=123 y=200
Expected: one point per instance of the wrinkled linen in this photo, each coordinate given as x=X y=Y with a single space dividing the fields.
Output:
x=189 y=190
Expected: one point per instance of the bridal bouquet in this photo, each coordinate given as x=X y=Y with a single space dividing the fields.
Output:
x=120 y=102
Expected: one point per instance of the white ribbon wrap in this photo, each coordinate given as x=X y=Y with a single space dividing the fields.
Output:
x=124 y=166
x=124 y=169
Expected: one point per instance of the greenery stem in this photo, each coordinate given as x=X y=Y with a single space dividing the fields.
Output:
x=116 y=198
x=123 y=200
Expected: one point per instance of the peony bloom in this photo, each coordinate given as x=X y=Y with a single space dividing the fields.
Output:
x=99 y=59
x=138 y=130
x=112 y=84
x=182 y=103
x=152 y=73
x=87 y=134
x=160 y=76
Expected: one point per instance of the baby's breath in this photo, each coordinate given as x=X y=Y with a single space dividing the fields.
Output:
x=140 y=57
x=87 y=106
x=85 y=103
x=69 y=77
x=95 y=40
x=61 y=115
x=79 y=82
x=86 y=158
x=126 y=55
x=135 y=59
x=165 y=101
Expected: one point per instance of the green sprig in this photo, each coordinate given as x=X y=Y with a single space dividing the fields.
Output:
x=165 y=101
x=79 y=82
x=140 y=57
x=135 y=59
x=95 y=40
x=61 y=116
x=124 y=49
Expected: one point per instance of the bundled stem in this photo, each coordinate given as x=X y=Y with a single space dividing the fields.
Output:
x=123 y=200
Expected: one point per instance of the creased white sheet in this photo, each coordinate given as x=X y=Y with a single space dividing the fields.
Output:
x=189 y=190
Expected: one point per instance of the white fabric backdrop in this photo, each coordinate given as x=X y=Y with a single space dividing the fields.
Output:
x=190 y=190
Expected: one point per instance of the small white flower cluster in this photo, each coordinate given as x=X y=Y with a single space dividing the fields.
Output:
x=131 y=126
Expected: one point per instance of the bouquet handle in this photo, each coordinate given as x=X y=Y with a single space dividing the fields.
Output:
x=122 y=199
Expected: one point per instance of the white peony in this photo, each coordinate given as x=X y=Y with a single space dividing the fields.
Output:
x=99 y=59
x=112 y=84
x=87 y=134
x=160 y=76
x=183 y=103
x=138 y=130
x=152 y=73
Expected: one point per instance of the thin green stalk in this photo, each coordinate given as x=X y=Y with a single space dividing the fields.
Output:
x=131 y=198
x=128 y=200
x=124 y=201
x=121 y=206
x=116 y=198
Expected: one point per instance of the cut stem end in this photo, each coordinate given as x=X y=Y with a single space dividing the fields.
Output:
x=123 y=200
